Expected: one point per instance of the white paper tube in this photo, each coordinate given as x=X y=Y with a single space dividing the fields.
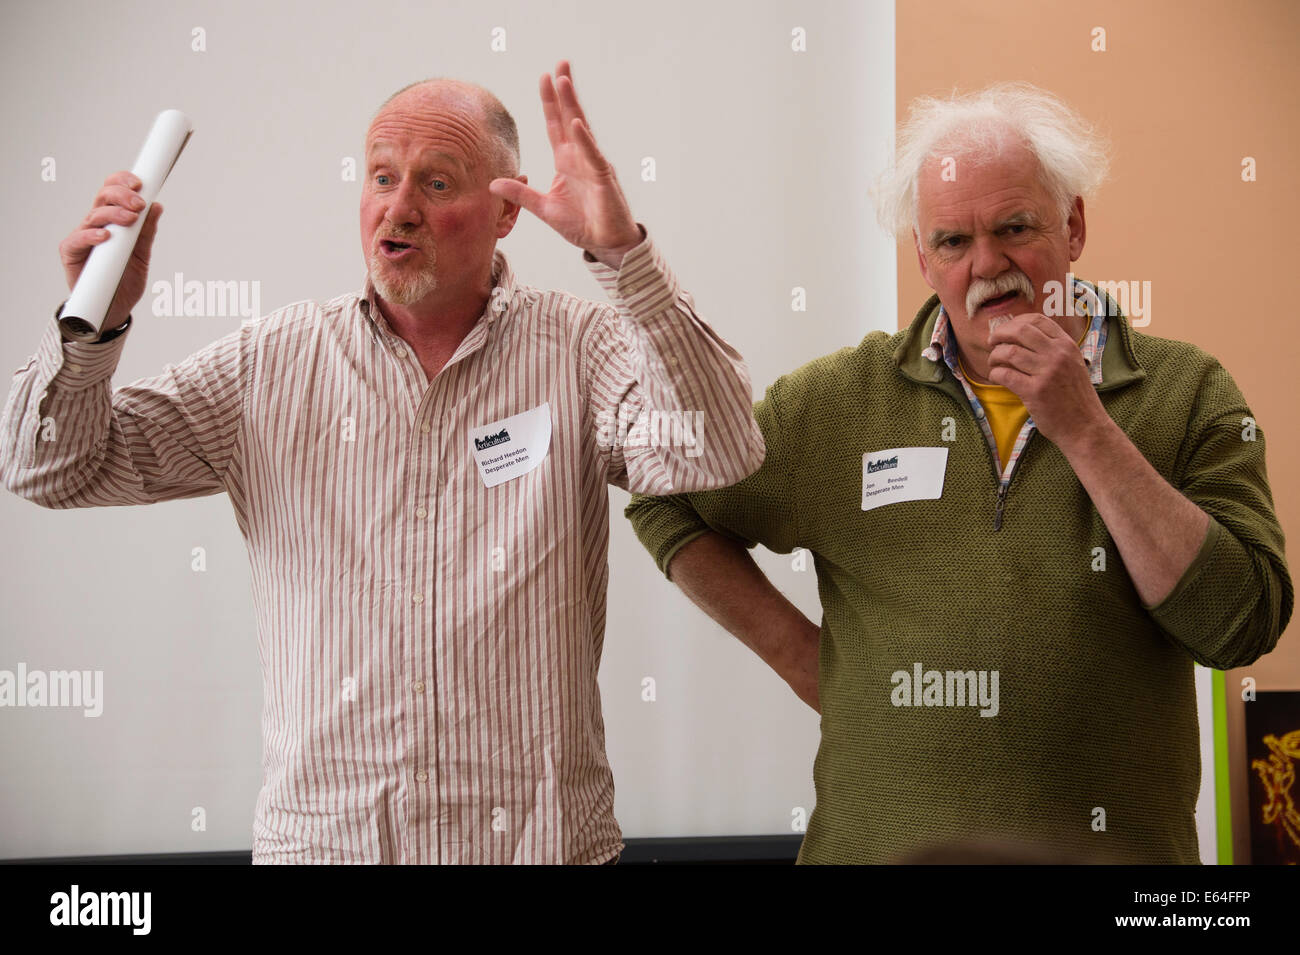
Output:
x=84 y=313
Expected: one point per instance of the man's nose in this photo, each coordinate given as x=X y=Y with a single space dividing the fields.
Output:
x=403 y=207
x=988 y=258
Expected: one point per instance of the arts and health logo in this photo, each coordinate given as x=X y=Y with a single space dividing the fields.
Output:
x=882 y=464
x=491 y=440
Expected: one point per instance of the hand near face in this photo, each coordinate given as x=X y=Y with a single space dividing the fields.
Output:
x=1033 y=356
x=585 y=203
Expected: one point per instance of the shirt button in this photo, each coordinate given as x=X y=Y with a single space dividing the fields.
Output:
x=400 y=353
x=425 y=428
x=421 y=776
x=421 y=512
x=417 y=598
x=418 y=687
x=72 y=366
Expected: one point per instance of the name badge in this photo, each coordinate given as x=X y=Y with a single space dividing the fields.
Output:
x=513 y=446
x=902 y=474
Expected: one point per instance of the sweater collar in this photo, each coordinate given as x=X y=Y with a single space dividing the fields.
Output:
x=1119 y=365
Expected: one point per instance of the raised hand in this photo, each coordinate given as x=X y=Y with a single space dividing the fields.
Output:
x=585 y=203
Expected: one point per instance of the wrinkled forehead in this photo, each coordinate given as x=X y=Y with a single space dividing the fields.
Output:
x=954 y=180
x=444 y=121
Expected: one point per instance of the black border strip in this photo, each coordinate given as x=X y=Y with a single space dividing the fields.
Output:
x=693 y=850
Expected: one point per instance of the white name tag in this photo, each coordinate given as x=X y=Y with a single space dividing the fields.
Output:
x=513 y=446
x=902 y=474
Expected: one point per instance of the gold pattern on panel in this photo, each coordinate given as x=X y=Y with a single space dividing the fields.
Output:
x=1277 y=773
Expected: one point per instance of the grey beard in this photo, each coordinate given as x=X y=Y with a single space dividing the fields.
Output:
x=403 y=290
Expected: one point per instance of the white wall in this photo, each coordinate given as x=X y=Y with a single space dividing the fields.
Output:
x=762 y=156
x=1206 y=818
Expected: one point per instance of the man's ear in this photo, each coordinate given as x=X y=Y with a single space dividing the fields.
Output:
x=509 y=213
x=1077 y=229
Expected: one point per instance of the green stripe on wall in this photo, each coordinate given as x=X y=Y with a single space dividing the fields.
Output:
x=1222 y=782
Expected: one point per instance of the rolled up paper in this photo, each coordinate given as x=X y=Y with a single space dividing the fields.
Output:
x=83 y=315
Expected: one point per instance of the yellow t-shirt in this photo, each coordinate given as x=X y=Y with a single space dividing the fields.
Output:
x=1005 y=412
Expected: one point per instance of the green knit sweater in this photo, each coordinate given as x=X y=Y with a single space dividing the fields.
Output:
x=1095 y=719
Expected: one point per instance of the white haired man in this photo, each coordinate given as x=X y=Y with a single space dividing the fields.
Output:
x=420 y=472
x=1027 y=521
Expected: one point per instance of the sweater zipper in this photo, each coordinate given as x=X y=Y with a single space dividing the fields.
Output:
x=1002 y=500
x=1002 y=490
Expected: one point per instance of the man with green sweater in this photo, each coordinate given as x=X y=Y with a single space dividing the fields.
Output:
x=1027 y=520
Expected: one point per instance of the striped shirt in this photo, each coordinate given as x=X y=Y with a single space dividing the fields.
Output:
x=429 y=637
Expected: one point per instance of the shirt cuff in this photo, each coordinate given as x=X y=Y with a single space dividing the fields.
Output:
x=643 y=283
x=104 y=337
x=76 y=365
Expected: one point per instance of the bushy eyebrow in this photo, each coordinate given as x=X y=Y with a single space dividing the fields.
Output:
x=939 y=236
x=1018 y=218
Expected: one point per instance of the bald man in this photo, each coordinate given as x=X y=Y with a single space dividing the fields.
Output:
x=419 y=470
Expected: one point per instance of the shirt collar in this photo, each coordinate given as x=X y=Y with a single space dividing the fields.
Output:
x=944 y=343
x=504 y=295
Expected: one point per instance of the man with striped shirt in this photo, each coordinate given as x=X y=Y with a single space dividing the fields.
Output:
x=419 y=470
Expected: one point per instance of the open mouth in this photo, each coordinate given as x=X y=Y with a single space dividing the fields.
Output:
x=394 y=248
x=1004 y=299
